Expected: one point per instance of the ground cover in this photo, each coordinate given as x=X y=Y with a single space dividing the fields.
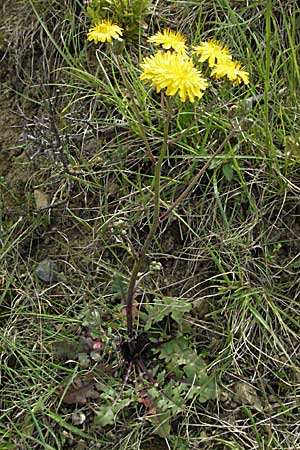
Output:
x=210 y=355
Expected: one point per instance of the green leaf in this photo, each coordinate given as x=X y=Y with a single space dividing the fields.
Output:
x=228 y=171
x=84 y=360
x=7 y=446
x=176 y=307
x=177 y=345
x=185 y=363
x=194 y=367
x=118 y=287
x=105 y=416
x=185 y=117
x=207 y=390
x=180 y=310
x=176 y=353
x=163 y=424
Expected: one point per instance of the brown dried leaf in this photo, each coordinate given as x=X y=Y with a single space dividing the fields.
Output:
x=246 y=395
x=86 y=343
x=146 y=400
x=79 y=392
x=134 y=310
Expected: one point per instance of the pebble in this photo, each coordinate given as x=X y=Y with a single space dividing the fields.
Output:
x=47 y=271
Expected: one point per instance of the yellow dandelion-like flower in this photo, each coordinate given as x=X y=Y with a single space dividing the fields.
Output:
x=175 y=73
x=233 y=70
x=213 y=51
x=104 y=31
x=169 y=39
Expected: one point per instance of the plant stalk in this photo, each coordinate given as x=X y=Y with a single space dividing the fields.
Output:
x=155 y=221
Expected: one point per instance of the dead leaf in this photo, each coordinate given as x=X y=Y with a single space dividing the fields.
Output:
x=79 y=392
x=146 y=400
x=246 y=395
x=65 y=350
x=41 y=199
x=134 y=310
x=86 y=343
x=113 y=189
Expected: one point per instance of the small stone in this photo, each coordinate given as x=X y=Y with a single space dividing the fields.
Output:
x=78 y=418
x=41 y=199
x=47 y=271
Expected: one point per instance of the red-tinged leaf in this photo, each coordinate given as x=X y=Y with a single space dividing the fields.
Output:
x=98 y=345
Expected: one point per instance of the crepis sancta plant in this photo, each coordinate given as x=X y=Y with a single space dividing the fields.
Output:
x=160 y=334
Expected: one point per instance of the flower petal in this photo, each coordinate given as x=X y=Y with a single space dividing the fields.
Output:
x=175 y=73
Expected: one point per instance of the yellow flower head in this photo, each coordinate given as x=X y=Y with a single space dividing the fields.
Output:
x=233 y=70
x=174 y=72
x=169 y=39
x=104 y=31
x=213 y=51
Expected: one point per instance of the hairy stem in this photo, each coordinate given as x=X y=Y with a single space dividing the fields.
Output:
x=155 y=221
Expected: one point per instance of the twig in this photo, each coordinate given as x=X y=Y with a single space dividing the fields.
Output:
x=58 y=144
x=124 y=383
